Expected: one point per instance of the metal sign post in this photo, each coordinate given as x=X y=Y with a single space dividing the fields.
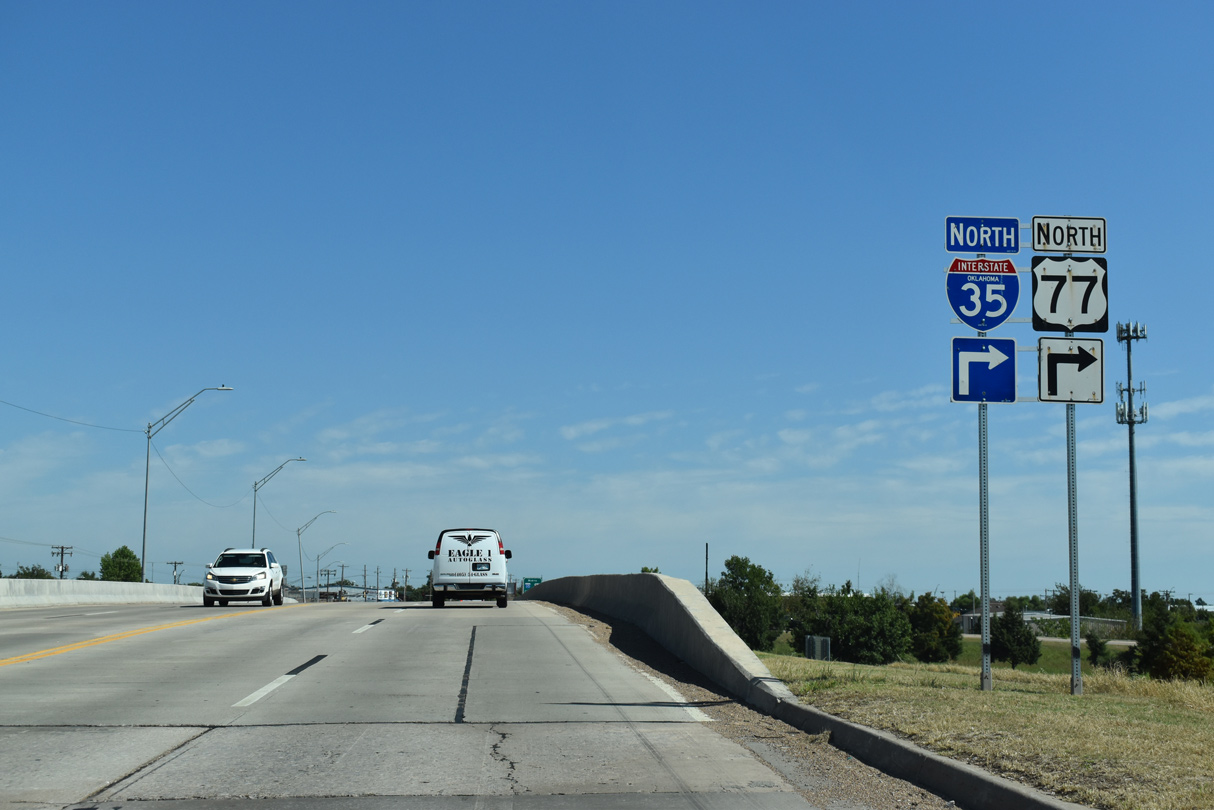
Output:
x=983 y=292
x=984 y=548
x=1072 y=482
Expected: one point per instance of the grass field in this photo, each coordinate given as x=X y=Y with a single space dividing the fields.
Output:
x=1125 y=744
x=1055 y=657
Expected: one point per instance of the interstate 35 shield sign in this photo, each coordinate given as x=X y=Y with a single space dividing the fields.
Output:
x=983 y=292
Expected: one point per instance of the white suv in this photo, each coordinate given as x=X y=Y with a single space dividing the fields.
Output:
x=243 y=575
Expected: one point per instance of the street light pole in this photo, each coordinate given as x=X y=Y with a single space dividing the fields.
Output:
x=152 y=429
x=298 y=539
x=258 y=485
x=318 y=556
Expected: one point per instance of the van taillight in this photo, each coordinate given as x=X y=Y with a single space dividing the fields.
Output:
x=438 y=545
x=500 y=548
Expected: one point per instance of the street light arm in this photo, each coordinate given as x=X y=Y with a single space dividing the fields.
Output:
x=303 y=592
x=304 y=527
x=330 y=548
x=277 y=469
x=161 y=423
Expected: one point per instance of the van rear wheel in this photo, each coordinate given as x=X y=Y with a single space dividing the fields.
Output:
x=501 y=601
x=436 y=601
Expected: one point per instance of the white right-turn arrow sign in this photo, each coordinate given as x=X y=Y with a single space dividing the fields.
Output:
x=992 y=357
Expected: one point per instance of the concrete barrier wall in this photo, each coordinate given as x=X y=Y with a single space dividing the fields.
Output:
x=676 y=615
x=42 y=592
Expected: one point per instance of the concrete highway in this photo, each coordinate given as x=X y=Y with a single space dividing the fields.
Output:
x=348 y=705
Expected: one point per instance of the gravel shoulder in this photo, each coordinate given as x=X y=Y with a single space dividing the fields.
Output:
x=827 y=777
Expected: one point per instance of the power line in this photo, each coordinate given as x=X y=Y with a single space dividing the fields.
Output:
x=62 y=419
x=187 y=489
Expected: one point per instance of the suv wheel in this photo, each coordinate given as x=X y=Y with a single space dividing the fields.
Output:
x=278 y=600
x=268 y=599
x=207 y=601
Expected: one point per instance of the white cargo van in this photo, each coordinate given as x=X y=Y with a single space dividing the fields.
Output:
x=469 y=564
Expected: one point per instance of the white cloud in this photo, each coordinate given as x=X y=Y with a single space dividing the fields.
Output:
x=934 y=465
x=927 y=396
x=1180 y=407
x=219 y=448
x=1186 y=439
x=718 y=440
x=593 y=426
x=372 y=424
x=490 y=462
x=794 y=437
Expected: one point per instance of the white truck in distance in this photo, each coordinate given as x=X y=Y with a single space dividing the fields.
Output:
x=469 y=564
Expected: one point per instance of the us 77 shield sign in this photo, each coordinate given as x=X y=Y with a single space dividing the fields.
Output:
x=1070 y=294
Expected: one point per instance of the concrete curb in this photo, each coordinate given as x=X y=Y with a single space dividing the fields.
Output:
x=48 y=592
x=676 y=615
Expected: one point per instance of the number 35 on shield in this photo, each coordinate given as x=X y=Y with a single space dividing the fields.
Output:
x=982 y=292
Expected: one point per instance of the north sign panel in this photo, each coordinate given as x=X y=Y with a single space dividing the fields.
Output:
x=1070 y=370
x=984 y=369
x=1070 y=234
x=983 y=292
x=982 y=234
x=1070 y=294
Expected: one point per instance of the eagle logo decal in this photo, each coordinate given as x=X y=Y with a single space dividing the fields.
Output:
x=470 y=539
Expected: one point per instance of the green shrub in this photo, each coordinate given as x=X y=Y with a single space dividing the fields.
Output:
x=748 y=598
x=34 y=571
x=121 y=566
x=1012 y=640
x=862 y=629
x=1184 y=655
x=935 y=637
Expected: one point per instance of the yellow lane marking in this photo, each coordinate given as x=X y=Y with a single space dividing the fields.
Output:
x=80 y=645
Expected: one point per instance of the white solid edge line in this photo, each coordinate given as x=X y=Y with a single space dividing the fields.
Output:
x=696 y=714
x=263 y=691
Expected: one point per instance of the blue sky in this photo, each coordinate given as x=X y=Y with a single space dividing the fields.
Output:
x=618 y=280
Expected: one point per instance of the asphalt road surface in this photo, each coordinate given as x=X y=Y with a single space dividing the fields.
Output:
x=349 y=705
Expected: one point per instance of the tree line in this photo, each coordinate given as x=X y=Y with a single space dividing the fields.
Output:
x=120 y=565
x=1177 y=639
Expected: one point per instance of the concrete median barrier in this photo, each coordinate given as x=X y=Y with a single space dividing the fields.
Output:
x=676 y=615
x=45 y=592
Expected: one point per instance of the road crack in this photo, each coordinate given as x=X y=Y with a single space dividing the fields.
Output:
x=499 y=756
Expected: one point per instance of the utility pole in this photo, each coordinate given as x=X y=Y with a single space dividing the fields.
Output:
x=341 y=583
x=1126 y=415
x=177 y=576
x=61 y=551
x=406 y=599
x=377 y=582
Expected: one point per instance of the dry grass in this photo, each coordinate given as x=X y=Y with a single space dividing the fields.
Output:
x=1125 y=744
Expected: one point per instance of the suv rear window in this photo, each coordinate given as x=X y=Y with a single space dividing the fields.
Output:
x=241 y=561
